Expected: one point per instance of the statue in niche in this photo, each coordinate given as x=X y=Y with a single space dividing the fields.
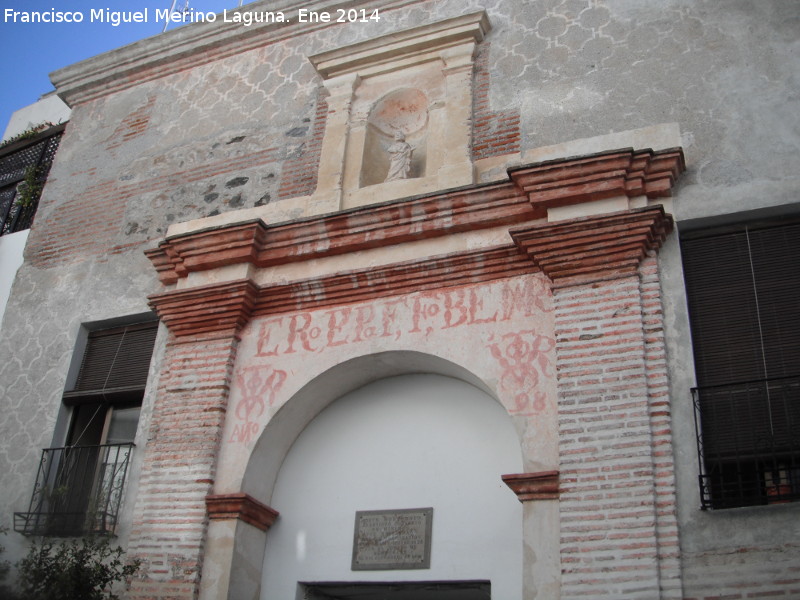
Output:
x=396 y=138
x=399 y=158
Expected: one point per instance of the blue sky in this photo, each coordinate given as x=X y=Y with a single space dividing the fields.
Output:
x=29 y=52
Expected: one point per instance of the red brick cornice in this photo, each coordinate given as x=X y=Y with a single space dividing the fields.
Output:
x=243 y=507
x=592 y=248
x=206 y=309
x=610 y=174
x=226 y=307
x=451 y=270
x=340 y=233
x=534 y=486
x=532 y=190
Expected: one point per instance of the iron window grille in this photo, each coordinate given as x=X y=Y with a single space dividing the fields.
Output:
x=78 y=491
x=28 y=159
x=747 y=436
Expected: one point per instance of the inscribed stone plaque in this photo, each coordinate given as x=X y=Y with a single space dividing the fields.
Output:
x=392 y=539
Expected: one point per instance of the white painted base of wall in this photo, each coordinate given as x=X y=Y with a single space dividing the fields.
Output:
x=11 y=248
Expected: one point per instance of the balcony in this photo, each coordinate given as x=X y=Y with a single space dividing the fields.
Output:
x=748 y=437
x=24 y=166
x=78 y=491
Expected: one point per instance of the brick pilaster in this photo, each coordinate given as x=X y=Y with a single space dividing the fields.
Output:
x=179 y=465
x=617 y=500
x=609 y=545
x=661 y=428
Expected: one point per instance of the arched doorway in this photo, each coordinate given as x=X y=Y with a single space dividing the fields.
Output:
x=399 y=443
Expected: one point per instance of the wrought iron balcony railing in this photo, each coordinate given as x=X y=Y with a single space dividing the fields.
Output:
x=748 y=438
x=25 y=162
x=78 y=491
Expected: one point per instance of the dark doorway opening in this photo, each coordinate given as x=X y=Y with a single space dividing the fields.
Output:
x=424 y=590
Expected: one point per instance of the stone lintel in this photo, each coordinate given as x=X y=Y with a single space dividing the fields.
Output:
x=534 y=486
x=417 y=45
x=243 y=507
x=594 y=248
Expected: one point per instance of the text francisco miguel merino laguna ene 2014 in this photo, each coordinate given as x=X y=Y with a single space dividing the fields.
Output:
x=244 y=17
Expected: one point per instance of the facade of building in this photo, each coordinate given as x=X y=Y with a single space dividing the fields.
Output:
x=407 y=298
x=27 y=150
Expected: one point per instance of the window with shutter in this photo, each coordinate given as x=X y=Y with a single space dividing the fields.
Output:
x=743 y=290
x=79 y=486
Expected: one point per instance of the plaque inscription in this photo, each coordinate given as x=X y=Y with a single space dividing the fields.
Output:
x=392 y=539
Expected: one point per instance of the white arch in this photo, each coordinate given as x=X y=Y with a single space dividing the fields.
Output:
x=410 y=441
x=282 y=430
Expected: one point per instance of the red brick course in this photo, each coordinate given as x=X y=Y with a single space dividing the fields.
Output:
x=299 y=173
x=494 y=133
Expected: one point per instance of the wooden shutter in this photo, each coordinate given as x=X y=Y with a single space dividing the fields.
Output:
x=743 y=289
x=744 y=296
x=115 y=363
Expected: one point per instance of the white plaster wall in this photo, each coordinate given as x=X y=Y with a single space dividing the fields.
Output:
x=11 y=248
x=411 y=441
x=49 y=108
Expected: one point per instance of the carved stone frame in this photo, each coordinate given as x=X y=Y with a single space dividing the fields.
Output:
x=436 y=59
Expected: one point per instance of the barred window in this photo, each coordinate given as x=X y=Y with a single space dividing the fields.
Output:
x=743 y=289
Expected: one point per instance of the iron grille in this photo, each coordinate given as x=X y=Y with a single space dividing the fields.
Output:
x=748 y=439
x=35 y=156
x=78 y=491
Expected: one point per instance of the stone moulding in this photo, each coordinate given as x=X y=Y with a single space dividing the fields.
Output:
x=243 y=507
x=532 y=190
x=534 y=486
x=420 y=44
x=594 y=247
x=186 y=47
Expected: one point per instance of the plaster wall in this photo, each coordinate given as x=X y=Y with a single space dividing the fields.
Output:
x=226 y=135
x=49 y=108
x=11 y=247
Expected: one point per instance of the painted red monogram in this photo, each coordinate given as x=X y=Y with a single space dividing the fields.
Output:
x=524 y=358
x=258 y=384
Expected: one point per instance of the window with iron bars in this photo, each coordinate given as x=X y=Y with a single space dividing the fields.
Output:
x=25 y=163
x=743 y=290
x=79 y=487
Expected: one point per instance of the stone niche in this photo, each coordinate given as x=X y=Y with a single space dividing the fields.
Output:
x=399 y=113
x=403 y=111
